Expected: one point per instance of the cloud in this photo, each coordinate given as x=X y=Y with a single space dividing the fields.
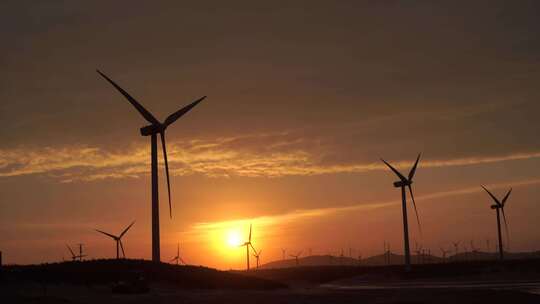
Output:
x=199 y=229
x=259 y=155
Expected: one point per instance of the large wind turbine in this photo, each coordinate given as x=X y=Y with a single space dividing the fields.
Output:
x=152 y=130
x=499 y=205
x=405 y=182
x=248 y=244
x=118 y=240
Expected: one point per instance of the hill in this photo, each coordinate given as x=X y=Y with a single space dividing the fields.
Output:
x=96 y=272
x=395 y=259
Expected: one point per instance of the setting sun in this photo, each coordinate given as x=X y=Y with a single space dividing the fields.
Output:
x=233 y=238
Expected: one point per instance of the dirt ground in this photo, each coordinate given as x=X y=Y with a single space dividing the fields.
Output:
x=160 y=294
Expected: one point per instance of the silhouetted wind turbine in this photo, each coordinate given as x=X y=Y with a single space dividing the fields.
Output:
x=499 y=205
x=403 y=183
x=296 y=256
x=177 y=258
x=386 y=253
x=118 y=240
x=155 y=127
x=419 y=254
x=456 y=248
x=444 y=252
x=257 y=256
x=248 y=244
x=81 y=255
x=283 y=253
x=74 y=256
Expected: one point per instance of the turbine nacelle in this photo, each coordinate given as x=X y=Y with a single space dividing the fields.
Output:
x=494 y=206
x=152 y=129
x=402 y=183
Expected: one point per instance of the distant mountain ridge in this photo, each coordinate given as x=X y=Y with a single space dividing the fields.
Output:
x=394 y=259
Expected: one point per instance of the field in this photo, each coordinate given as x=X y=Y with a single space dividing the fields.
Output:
x=109 y=281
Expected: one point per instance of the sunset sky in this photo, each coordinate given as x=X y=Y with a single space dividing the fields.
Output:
x=304 y=98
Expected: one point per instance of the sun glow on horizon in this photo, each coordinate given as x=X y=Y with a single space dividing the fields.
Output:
x=234 y=238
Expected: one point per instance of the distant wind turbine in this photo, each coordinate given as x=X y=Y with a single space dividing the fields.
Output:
x=473 y=250
x=406 y=182
x=296 y=256
x=386 y=253
x=499 y=205
x=419 y=254
x=444 y=252
x=156 y=127
x=456 y=249
x=75 y=257
x=118 y=240
x=257 y=256
x=177 y=258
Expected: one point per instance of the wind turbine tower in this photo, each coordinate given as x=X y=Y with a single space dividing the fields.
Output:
x=499 y=207
x=248 y=244
x=406 y=182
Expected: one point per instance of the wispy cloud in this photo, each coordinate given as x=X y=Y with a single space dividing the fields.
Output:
x=202 y=228
x=261 y=155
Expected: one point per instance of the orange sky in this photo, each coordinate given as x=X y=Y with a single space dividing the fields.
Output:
x=303 y=100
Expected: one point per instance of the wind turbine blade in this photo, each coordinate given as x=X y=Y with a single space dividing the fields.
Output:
x=166 y=170
x=250 y=234
x=107 y=234
x=72 y=253
x=182 y=260
x=415 y=210
x=401 y=177
x=503 y=202
x=174 y=116
x=506 y=228
x=411 y=173
x=178 y=250
x=492 y=196
x=147 y=115
x=122 y=247
x=125 y=230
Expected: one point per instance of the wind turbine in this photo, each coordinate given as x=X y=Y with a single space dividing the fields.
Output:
x=444 y=252
x=257 y=255
x=74 y=257
x=177 y=258
x=456 y=248
x=386 y=253
x=499 y=205
x=118 y=240
x=473 y=250
x=296 y=256
x=283 y=251
x=248 y=244
x=406 y=182
x=419 y=254
x=153 y=129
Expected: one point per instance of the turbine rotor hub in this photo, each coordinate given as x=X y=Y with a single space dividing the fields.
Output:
x=400 y=184
x=151 y=129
